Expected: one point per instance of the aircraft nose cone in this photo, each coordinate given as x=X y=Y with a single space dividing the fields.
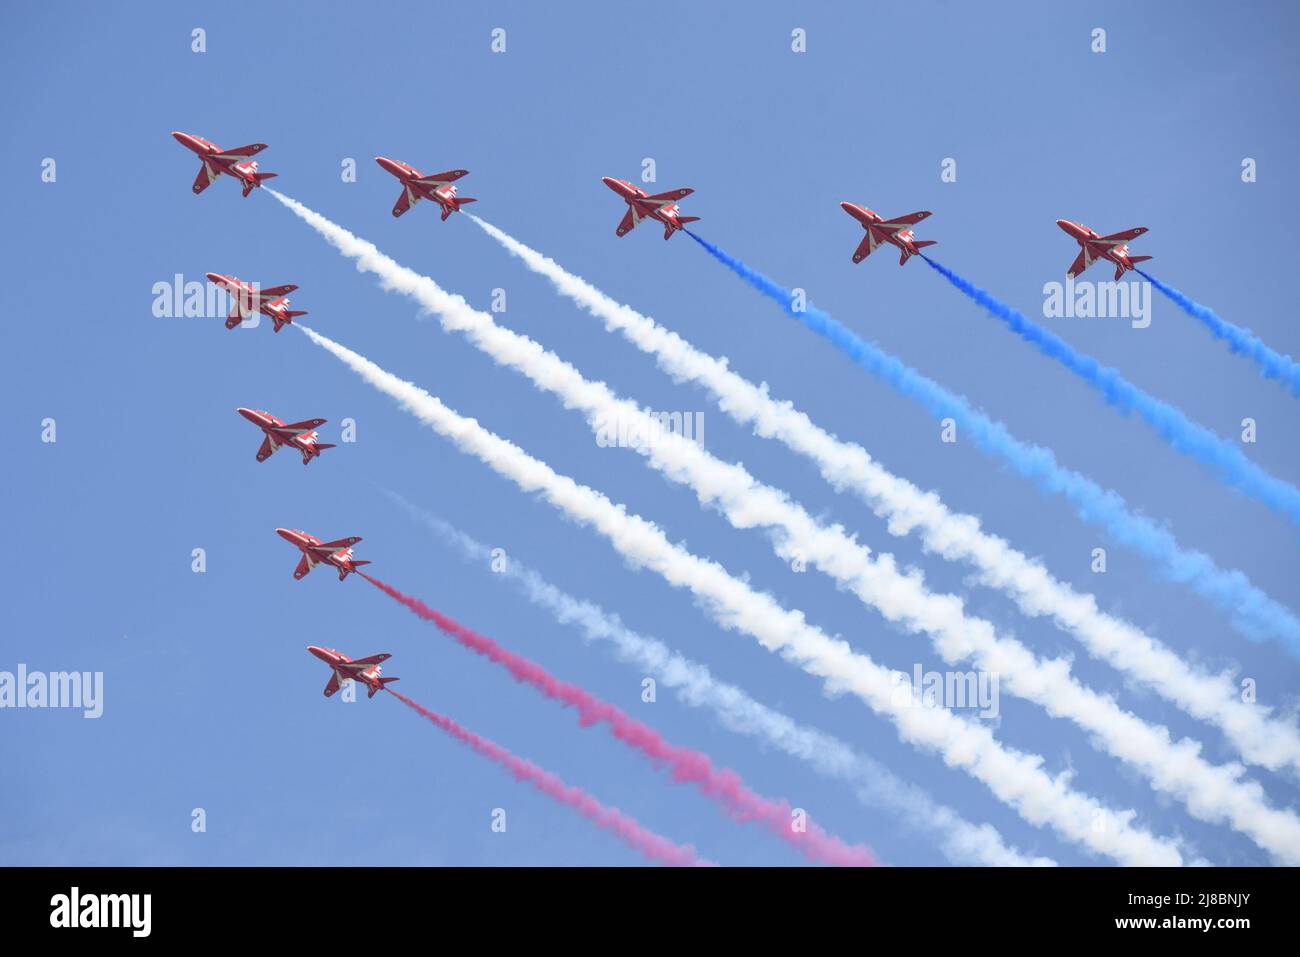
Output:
x=213 y=277
x=847 y=207
x=285 y=534
x=1065 y=224
x=611 y=182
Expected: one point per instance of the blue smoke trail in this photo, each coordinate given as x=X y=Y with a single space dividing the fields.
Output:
x=1252 y=613
x=1223 y=458
x=1272 y=365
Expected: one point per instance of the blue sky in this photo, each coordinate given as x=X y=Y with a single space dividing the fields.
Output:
x=211 y=700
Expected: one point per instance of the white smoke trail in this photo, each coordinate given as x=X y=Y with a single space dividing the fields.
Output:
x=1212 y=793
x=961 y=841
x=1014 y=777
x=1250 y=727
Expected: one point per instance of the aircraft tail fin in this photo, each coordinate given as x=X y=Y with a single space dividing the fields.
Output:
x=456 y=204
x=314 y=451
x=375 y=688
x=907 y=253
x=257 y=181
x=682 y=221
x=355 y=565
x=343 y=572
x=1138 y=259
x=289 y=316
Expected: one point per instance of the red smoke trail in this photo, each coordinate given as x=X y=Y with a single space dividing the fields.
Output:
x=687 y=766
x=652 y=845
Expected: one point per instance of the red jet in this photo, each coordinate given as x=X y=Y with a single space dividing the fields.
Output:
x=1093 y=247
x=365 y=670
x=249 y=296
x=315 y=552
x=217 y=161
x=298 y=435
x=640 y=206
x=416 y=186
x=880 y=231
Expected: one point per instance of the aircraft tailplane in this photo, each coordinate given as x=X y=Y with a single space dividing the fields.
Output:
x=455 y=205
x=257 y=181
x=315 y=451
x=343 y=572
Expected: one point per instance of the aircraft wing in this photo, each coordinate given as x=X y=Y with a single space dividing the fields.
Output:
x=340 y=543
x=305 y=426
x=442 y=179
x=303 y=568
x=252 y=149
x=1081 y=262
x=671 y=196
x=1126 y=235
x=865 y=248
x=372 y=660
x=236 y=314
x=333 y=686
x=628 y=222
x=202 y=181
x=267 y=449
x=404 y=202
x=911 y=219
x=275 y=292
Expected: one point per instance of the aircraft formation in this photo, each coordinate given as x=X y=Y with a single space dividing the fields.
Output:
x=918 y=609
x=440 y=189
